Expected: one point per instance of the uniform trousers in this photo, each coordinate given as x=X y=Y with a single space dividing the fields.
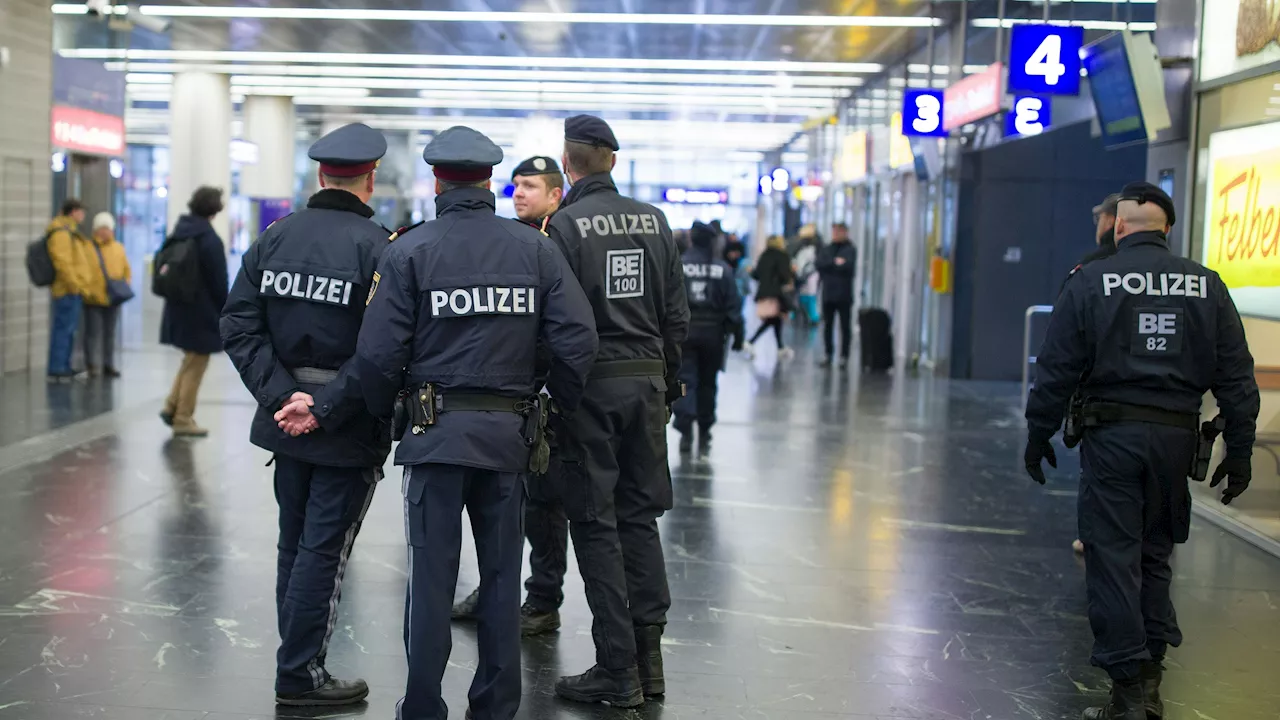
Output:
x=1134 y=506
x=547 y=529
x=700 y=372
x=616 y=486
x=435 y=496
x=321 y=509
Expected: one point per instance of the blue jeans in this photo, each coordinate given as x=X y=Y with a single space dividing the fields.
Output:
x=62 y=336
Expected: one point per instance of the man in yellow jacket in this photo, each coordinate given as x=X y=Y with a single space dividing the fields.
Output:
x=100 y=315
x=71 y=253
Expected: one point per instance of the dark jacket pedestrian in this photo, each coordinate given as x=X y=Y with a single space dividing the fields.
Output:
x=193 y=326
x=837 y=263
x=776 y=280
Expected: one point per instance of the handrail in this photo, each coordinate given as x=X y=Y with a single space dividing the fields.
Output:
x=1027 y=358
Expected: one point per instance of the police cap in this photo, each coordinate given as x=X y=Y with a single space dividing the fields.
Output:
x=349 y=151
x=590 y=130
x=536 y=165
x=1145 y=192
x=461 y=154
x=1107 y=206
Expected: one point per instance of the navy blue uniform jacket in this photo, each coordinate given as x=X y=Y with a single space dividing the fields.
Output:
x=298 y=302
x=461 y=302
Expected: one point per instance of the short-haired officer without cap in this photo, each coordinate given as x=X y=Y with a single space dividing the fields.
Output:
x=614 y=450
x=539 y=187
x=715 y=309
x=454 y=321
x=1144 y=334
x=290 y=327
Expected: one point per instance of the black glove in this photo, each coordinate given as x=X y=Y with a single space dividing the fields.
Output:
x=1237 y=472
x=1038 y=449
x=675 y=391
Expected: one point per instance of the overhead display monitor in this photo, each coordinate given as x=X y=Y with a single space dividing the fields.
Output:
x=1242 y=217
x=1127 y=85
x=922 y=112
x=1030 y=115
x=1045 y=59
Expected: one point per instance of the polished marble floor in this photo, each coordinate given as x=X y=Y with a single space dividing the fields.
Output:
x=854 y=548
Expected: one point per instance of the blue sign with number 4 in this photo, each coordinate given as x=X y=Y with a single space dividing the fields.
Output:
x=922 y=113
x=1045 y=59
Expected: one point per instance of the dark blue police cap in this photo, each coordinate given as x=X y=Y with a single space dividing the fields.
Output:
x=461 y=154
x=590 y=130
x=537 y=165
x=1145 y=192
x=349 y=151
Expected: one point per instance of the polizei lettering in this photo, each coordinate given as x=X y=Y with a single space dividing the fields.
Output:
x=315 y=288
x=1158 y=284
x=702 y=270
x=618 y=224
x=482 y=300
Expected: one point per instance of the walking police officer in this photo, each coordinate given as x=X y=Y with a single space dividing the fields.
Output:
x=1150 y=332
x=290 y=326
x=614 y=450
x=715 y=309
x=454 y=316
x=539 y=188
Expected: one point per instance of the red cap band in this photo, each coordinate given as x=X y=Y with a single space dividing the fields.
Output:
x=348 y=170
x=462 y=173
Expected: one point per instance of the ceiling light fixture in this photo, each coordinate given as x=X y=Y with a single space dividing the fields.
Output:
x=1086 y=24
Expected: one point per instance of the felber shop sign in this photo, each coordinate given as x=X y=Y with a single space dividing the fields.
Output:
x=86 y=131
x=973 y=98
x=88 y=109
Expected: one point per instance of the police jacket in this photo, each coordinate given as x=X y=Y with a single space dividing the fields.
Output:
x=298 y=302
x=837 y=279
x=1146 y=327
x=622 y=252
x=715 y=307
x=461 y=302
x=1105 y=249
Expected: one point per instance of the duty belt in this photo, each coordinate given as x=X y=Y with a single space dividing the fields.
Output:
x=313 y=376
x=1098 y=412
x=458 y=401
x=628 y=368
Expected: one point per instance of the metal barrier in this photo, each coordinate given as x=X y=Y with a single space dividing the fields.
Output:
x=1027 y=358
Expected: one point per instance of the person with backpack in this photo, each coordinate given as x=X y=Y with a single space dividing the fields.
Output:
x=191 y=275
x=69 y=254
x=107 y=289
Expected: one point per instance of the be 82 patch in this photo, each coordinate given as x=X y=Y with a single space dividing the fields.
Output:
x=1157 y=332
x=624 y=274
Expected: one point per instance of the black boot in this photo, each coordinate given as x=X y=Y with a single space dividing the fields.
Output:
x=536 y=622
x=1152 y=675
x=467 y=607
x=704 y=443
x=1126 y=703
x=334 y=692
x=649 y=660
x=619 y=688
x=686 y=441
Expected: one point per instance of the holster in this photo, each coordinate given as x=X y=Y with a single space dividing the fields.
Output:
x=400 y=415
x=537 y=410
x=1209 y=432
x=1073 y=429
x=424 y=405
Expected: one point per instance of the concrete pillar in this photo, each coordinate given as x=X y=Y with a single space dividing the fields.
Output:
x=199 y=142
x=269 y=123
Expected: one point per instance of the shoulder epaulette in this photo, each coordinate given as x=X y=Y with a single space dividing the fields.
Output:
x=273 y=222
x=402 y=231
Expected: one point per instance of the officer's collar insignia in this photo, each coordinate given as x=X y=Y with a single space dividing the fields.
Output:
x=543 y=229
x=373 y=288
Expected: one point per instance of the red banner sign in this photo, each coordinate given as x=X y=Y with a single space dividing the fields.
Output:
x=973 y=98
x=87 y=131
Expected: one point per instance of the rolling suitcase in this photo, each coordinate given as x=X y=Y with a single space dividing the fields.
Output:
x=876 y=340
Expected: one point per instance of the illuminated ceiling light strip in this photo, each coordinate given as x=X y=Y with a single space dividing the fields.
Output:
x=589 y=98
x=163 y=91
x=1086 y=24
x=472 y=60
x=83 y=9
x=557 y=18
x=923 y=69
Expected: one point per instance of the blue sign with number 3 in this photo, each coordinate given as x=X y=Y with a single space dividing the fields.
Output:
x=1045 y=59
x=922 y=113
x=1029 y=116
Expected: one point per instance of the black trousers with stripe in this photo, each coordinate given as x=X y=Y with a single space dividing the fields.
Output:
x=321 y=509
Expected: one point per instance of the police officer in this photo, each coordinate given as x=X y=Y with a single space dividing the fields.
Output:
x=290 y=327
x=614 y=450
x=1154 y=332
x=715 y=309
x=454 y=316
x=539 y=188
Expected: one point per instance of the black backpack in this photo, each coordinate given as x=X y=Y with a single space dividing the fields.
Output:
x=40 y=263
x=177 y=271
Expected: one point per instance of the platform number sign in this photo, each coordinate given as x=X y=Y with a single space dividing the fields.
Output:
x=1029 y=116
x=1045 y=59
x=922 y=113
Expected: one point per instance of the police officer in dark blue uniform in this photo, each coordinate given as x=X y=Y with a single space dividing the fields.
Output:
x=715 y=309
x=454 y=318
x=614 y=450
x=1149 y=332
x=290 y=326
x=539 y=190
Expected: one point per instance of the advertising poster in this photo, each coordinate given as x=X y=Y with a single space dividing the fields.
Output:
x=1238 y=35
x=1242 y=217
